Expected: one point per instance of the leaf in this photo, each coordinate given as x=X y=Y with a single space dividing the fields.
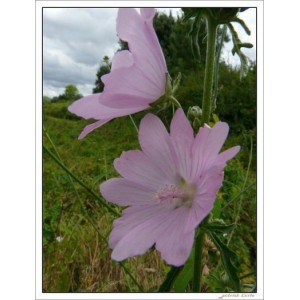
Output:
x=243 y=24
x=171 y=276
x=228 y=257
x=237 y=44
x=185 y=275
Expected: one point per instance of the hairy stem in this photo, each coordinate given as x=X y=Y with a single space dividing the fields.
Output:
x=209 y=68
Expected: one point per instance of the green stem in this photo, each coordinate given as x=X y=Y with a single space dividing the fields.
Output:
x=199 y=244
x=209 y=68
x=206 y=110
x=137 y=130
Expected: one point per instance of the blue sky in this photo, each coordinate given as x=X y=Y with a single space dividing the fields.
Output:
x=76 y=39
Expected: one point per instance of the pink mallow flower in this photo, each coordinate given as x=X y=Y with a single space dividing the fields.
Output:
x=137 y=77
x=170 y=186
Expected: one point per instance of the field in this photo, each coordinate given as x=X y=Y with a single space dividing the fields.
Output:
x=76 y=226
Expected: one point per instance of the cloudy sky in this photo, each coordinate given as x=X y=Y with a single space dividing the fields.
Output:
x=76 y=39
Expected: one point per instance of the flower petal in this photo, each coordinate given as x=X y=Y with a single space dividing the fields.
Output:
x=132 y=81
x=182 y=137
x=207 y=188
x=93 y=106
x=136 y=231
x=207 y=145
x=155 y=142
x=124 y=192
x=89 y=128
x=137 y=167
x=176 y=240
x=143 y=44
x=227 y=155
x=122 y=59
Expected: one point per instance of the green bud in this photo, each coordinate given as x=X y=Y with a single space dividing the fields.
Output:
x=194 y=112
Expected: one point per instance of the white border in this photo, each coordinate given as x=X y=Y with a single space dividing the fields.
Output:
x=260 y=213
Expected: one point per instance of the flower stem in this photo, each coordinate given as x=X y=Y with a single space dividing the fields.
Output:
x=199 y=243
x=137 y=130
x=206 y=110
x=209 y=68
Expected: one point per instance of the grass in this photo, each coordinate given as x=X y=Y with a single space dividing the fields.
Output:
x=76 y=257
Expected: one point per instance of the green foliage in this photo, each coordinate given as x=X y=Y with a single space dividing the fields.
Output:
x=71 y=92
x=103 y=69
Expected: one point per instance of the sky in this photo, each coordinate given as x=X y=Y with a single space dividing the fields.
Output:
x=76 y=39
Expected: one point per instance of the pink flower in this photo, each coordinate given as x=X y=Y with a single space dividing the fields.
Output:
x=170 y=187
x=137 y=77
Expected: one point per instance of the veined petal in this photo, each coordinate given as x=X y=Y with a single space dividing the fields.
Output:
x=198 y=150
x=93 y=106
x=125 y=192
x=182 y=137
x=136 y=231
x=86 y=107
x=143 y=44
x=207 y=145
x=122 y=59
x=210 y=182
x=155 y=142
x=134 y=165
x=176 y=240
x=207 y=187
x=215 y=141
x=131 y=81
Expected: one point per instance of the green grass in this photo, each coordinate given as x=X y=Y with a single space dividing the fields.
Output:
x=76 y=257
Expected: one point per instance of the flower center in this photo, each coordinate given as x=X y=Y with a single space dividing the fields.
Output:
x=178 y=195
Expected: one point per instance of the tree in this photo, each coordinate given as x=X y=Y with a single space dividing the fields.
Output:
x=104 y=69
x=71 y=92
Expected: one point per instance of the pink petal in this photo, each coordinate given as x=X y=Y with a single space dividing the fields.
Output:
x=124 y=192
x=227 y=155
x=122 y=59
x=93 y=106
x=182 y=137
x=132 y=81
x=131 y=217
x=119 y=104
x=137 y=167
x=86 y=107
x=210 y=182
x=147 y=13
x=89 y=128
x=143 y=44
x=215 y=141
x=136 y=231
x=155 y=142
x=176 y=240
x=207 y=188
x=207 y=145
x=198 y=150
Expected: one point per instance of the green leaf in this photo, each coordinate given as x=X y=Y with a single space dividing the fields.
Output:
x=237 y=44
x=243 y=24
x=171 y=276
x=185 y=275
x=228 y=258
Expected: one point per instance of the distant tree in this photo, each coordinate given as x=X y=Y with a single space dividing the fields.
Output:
x=103 y=69
x=71 y=92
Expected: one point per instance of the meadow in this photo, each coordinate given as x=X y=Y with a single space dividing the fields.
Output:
x=76 y=226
